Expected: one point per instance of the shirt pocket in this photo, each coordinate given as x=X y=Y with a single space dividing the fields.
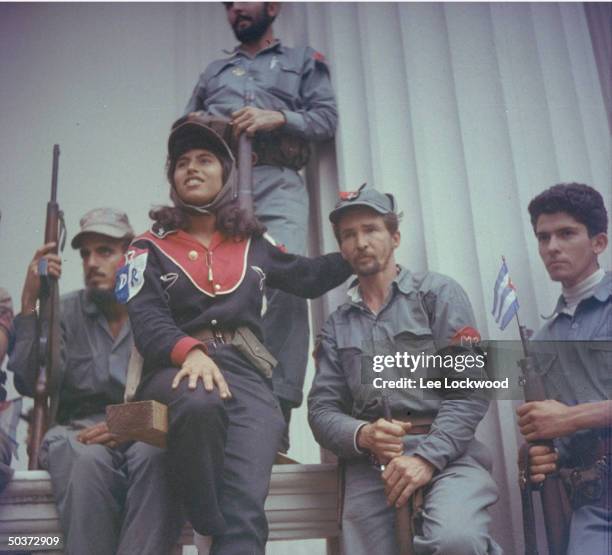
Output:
x=287 y=85
x=414 y=342
x=554 y=366
x=413 y=349
x=221 y=79
x=409 y=318
x=412 y=337
x=355 y=359
x=600 y=352
x=80 y=374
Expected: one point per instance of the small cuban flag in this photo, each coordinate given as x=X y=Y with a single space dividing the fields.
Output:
x=130 y=277
x=505 y=301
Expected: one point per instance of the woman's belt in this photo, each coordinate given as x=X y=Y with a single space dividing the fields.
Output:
x=212 y=338
x=245 y=342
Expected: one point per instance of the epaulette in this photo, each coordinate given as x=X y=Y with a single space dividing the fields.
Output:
x=158 y=231
x=274 y=242
x=317 y=56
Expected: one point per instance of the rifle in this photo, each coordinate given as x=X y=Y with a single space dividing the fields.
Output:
x=48 y=325
x=555 y=503
x=404 y=525
x=245 y=168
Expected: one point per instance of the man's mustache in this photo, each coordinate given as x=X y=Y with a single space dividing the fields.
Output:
x=93 y=274
x=242 y=18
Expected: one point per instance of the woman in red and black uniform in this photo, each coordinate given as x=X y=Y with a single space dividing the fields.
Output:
x=194 y=287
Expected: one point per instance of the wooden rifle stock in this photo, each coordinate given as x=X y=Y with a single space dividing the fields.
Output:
x=245 y=165
x=403 y=515
x=555 y=503
x=48 y=328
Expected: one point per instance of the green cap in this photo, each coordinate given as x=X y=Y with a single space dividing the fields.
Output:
x=383 y=203
x=104 y=221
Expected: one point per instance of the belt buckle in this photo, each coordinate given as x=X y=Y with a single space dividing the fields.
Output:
x=210 y=344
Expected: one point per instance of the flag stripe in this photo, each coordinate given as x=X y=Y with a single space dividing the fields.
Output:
x=500 y=284
x=505 y=300
x=509 y=315
x=507 y=297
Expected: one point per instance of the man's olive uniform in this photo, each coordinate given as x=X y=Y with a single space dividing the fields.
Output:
x=579 y=370
x=294 y=81
x=423 y=312
x=110 y=501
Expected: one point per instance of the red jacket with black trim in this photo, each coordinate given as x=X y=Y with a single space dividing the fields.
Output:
x=178 y=286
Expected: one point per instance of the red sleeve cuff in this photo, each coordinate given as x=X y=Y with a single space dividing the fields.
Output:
x=181 y=348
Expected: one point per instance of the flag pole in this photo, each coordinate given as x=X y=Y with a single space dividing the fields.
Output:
x=521 y=328
x=523 y=335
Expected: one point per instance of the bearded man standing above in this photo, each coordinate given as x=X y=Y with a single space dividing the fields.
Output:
x=282 y=97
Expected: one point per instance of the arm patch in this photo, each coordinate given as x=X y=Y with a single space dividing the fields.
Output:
x=318 y=57
x=130 y=277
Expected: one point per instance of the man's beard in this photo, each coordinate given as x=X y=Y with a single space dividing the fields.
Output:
x=374 y=267
x=259 y=25
x=102 y=298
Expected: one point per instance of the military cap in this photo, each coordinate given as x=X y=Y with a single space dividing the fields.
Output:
x=383 y=203
x=198 y=131
x=105 y=221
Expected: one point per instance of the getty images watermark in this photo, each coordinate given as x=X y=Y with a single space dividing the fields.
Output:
x=420 y=367
x=440 y=364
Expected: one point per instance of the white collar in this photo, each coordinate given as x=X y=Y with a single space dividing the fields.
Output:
x=573 y=295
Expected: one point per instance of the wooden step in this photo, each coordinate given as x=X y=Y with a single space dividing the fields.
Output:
x=302 y=504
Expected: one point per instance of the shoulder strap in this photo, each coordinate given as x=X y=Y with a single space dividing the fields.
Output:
x=134 y=373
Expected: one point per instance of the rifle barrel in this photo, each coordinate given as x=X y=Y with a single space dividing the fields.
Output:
x=47 y=328
x=403 y=515
x=554 y=499
x=245 y=174
x=54 y=172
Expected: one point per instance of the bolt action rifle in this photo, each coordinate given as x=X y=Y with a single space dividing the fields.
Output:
x=407 y=514
x=245 y=168
x=555 y=503
x=48 y=326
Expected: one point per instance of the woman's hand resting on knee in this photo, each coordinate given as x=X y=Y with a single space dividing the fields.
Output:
x=199 y=365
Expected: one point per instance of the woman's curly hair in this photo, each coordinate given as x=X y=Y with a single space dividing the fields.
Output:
x=231 y=221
